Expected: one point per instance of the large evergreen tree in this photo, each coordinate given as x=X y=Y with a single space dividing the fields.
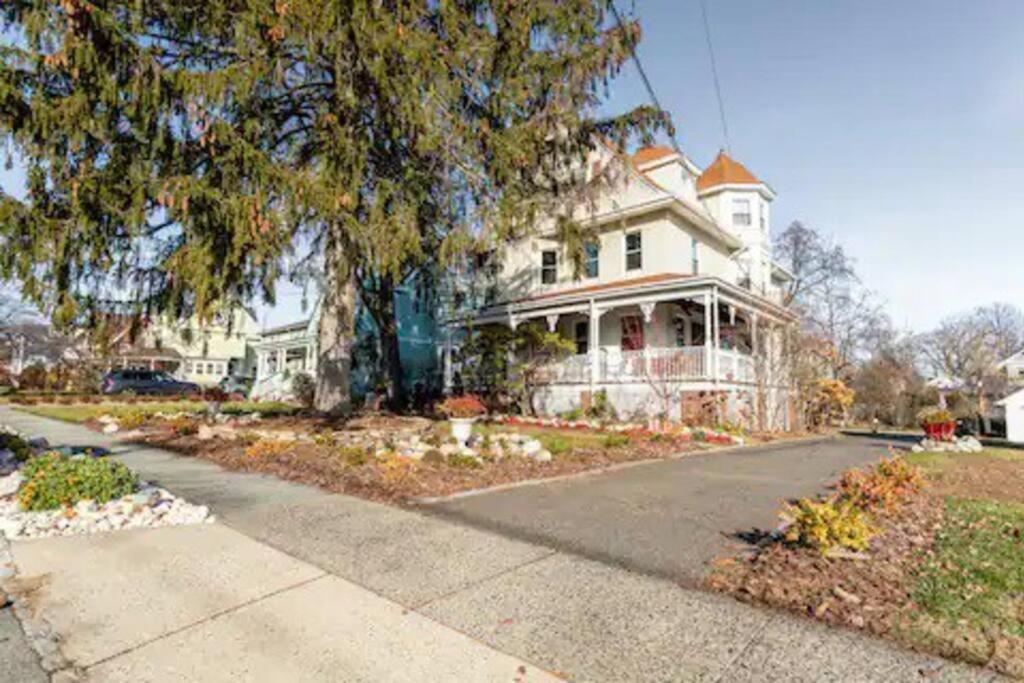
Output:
x=177 y=150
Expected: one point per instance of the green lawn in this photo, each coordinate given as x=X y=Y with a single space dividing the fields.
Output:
x=977 y=573
x=971 y=590
x=934 y=463
x=557 y=440
x=87 y=411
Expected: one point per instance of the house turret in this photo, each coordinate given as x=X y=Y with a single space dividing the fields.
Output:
x=741 y=203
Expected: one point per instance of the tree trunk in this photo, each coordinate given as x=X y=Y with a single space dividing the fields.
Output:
x=387 y=329
x=335 y=333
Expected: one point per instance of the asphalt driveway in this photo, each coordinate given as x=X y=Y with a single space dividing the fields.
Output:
x=670 y=518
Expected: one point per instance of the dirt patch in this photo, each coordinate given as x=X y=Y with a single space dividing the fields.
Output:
x=870 y=591
x=981 y=476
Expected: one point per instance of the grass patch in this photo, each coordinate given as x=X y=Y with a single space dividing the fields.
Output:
x=89 y=411
x=977 y=573
x=557 y=441
x=934 y=463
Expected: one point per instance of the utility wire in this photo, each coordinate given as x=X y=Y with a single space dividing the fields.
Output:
x=643 y=76
x=714 y=73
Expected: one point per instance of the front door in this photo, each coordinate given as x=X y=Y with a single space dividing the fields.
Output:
x=632 y=333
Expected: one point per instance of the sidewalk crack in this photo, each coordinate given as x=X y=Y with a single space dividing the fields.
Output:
x=206 y=619
x=473 y=584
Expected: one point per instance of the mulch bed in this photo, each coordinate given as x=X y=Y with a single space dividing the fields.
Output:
x=319 y=465
x=870 y=591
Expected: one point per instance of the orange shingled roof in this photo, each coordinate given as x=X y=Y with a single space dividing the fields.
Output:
x=587 y=289
x=725 y=170
x=648 y=154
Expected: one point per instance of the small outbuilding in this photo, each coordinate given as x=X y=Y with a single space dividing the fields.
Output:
x=1014 y=406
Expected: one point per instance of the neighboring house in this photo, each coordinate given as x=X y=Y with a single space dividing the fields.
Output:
x=27 y=344
x=289 y=349
x=194 y=352
x=1014 y=367
x=1014 y=407
x=678 y=298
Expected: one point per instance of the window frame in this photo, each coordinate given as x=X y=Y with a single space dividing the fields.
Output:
x=747 y=215
x=592 y=259
x=546 y=268
x=695 y=255
x=581 y=334
x=638 y=251
x=631 y=329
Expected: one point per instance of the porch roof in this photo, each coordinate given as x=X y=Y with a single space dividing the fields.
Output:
x=656 y=287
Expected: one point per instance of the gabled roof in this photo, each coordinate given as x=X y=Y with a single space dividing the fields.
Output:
x=646 y=155
x=725 y=170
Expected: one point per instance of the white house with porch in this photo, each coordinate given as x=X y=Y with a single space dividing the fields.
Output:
x=281 y=353
x=679 y=299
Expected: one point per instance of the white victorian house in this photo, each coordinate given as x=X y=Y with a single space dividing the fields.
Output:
x=679 y=300
x=1014 y=367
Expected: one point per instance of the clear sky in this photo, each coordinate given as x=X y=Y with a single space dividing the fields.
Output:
x=895 y=126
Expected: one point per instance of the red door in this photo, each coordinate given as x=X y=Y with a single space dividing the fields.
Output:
x=632 y=333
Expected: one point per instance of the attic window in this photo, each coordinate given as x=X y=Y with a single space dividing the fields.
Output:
x=741 y=212
x=548 y=267
x=634 y=249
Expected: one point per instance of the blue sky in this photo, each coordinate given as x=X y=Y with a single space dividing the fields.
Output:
x=895 y=127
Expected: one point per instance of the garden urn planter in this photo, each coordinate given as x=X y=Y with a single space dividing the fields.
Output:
x=940 y=431
x=462 y=428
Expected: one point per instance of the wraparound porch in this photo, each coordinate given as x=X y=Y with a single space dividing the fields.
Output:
x=648 y=343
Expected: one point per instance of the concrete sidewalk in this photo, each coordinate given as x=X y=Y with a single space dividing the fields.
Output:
x=581 y=618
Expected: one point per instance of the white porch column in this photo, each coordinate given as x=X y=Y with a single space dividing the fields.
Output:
x=716 y=323
x=448 y=375
x=280 y=360
x=707 y=334
x=594 y=345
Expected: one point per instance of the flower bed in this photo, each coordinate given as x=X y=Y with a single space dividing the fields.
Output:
x=59 y=492
x=401 y=459
x=672 y=431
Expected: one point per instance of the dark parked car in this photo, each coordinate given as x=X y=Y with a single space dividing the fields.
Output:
x=145 y=382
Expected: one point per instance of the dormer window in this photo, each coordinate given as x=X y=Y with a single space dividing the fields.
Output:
x=549 y=267
x=634 y=249
x=741 y=212
x=591 y=254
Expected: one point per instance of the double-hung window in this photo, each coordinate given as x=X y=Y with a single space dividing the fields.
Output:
x=741 y=212
x=591 y=254
x=634 y=249
x=694 y=255
x=549 y=267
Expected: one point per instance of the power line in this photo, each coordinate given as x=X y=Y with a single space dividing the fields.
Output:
x=714 y=73
x=643 y=76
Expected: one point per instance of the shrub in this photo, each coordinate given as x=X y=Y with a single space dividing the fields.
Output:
x=131 y=419
x=615 y=441
x=433 y=457
x=214 y=395
x=183 y=426
x=885 y=485
x=15 y=444
x=396 y=469
x=557 y=445
x=462 y=407
x=601 y=408
x=354 y=456
x=267 y=448
x=825 y=525
x=463 y=461
x=304 y=389
x=32 y=377
x=933 y=415
x=573 y=415
x=53 y=480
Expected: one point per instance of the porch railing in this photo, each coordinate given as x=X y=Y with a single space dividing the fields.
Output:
x=656 y=364
x=650 y=364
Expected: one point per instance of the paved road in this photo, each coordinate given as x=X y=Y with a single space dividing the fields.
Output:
x=668 y=519
x=568 y=614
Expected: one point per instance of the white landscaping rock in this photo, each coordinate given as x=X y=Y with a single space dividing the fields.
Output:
x=148 y=507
